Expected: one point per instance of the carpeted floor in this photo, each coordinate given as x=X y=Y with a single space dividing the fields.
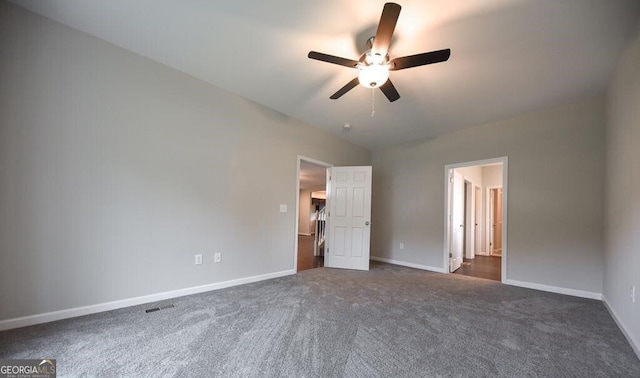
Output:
x=389 y=322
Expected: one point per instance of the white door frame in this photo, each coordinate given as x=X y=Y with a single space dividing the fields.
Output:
x=505 y=191
x=454 y=229
x=478 y=214
x=300 y=159
x=488 y=219
x=469 y=218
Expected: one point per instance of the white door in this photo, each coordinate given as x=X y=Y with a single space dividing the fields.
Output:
x=349 y=217
x=456 y=185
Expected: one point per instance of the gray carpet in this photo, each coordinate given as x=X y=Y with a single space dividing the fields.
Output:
x=389 y=322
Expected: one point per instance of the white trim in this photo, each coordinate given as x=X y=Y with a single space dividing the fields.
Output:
x=407 y=264
x=305 y=233
x=504 y=160
x=478 y=248
x=297 y=231
x=488 y=221
x=108 y=306
x=555 y=289
x=470 y=211
x=505 y=223
x=448 y=177
x=635 y=344
x=485 y=162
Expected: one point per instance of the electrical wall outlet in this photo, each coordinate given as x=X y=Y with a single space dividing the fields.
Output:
x=198 y=259
x=401 y=245
x=217 y=257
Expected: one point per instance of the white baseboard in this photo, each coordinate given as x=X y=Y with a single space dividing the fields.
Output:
x=555 y=289
x=101 y=307
x=408 y=264
x=635 y=345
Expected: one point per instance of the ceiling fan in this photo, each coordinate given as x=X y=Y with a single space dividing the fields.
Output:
x=374 y=64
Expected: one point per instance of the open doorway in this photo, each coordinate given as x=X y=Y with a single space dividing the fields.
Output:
x=333 y=206
x=310 y=238
x=475 y=218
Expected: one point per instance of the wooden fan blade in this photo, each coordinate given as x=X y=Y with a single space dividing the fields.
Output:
x=350 y=85
x=420 y=59
x=332 y=59
x=390 y=91
x=386 y=26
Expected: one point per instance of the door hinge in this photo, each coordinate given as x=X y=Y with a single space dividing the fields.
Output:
x=327 y=250
x=450 y=255
x=451 y=180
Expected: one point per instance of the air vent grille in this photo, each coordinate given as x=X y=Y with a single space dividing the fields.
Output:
x=154 y=309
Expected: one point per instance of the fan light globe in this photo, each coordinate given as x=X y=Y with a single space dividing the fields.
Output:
x=374 y=75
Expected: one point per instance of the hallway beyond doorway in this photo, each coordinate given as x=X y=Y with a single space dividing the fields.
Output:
x=487 y=267
x=476 y=199
x=306 y=259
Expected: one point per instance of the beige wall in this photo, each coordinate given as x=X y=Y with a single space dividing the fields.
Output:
x=555 y=205
x=492 y=176
x=622 y=257
x=304 y=214
x=473 y=174
x=116 y=170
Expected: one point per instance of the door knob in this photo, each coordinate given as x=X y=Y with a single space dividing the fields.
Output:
x=367 y=223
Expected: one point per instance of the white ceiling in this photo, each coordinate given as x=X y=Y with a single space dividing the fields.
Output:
x=508 y=56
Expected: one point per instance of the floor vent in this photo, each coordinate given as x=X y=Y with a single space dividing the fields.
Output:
x=159 y=308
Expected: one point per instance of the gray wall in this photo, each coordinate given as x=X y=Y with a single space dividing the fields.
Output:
x=555 y=208
x=116 y=170
x=622 y=256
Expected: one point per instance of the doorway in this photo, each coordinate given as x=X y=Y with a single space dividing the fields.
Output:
x=311 y=220
x=475 y=218
x=341 y=234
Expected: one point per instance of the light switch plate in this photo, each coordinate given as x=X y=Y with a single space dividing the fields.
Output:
x=283 y=208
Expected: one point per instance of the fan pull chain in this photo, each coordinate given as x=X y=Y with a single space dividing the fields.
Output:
x=373 y=103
